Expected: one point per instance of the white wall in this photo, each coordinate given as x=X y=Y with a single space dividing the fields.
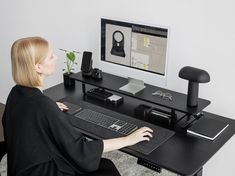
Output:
x=202 y=34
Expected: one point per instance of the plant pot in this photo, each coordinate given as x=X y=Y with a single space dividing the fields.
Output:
x=68 y=82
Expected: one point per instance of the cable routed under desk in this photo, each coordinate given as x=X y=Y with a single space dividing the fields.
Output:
x=160 y=135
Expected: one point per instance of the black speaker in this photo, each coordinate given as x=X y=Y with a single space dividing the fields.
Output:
x=86 y=66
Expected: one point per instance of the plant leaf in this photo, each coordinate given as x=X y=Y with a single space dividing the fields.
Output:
x=71 y=56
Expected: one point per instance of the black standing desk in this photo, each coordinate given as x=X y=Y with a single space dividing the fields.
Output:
x=181 y=154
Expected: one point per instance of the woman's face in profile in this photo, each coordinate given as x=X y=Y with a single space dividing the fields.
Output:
x=49 y=63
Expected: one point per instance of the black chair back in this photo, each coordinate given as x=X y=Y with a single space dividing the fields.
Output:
x=3 y=149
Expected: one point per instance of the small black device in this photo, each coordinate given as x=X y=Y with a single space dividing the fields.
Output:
x=97 y=74
x=159 y=117
x=86 y=66
x=115 y=99
x=155 y=115
x=141 y=111
x=194 y=76
x=99 y=93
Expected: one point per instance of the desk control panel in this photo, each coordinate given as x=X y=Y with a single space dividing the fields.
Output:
x=149 y=165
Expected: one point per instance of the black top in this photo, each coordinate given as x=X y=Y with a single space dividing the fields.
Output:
x=40 y=138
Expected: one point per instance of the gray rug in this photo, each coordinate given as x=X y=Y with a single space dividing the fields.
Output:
x=127 y=165
x=3 y=166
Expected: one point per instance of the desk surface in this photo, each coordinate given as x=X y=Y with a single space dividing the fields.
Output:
x=181 y=154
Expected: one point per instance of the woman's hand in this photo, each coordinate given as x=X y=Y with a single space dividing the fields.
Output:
x=62 y=106
x=142 y=134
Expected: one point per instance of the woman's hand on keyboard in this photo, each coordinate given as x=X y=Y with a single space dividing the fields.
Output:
x=142 y=134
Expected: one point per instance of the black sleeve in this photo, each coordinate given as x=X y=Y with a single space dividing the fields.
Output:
x=3 y=147
x=82 y=153
x=4 y=122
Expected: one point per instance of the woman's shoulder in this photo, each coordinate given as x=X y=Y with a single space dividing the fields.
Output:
x=23 y=92
x=48 y=104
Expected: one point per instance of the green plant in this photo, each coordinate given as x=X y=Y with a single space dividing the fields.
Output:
x=70 y=61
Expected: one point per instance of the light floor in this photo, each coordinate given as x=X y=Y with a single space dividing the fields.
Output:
x=127 y=165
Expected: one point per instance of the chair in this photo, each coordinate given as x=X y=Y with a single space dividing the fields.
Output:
x=3 y=149
x=2 y=162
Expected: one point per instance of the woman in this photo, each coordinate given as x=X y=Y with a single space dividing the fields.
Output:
x=39 y=137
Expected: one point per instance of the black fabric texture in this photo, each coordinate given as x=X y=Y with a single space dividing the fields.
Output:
x=40 y=138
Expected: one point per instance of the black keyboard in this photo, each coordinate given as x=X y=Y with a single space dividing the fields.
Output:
x=106 y=121
x=103 y=129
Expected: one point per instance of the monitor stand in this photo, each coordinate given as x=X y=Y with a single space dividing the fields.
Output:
x=133 y=86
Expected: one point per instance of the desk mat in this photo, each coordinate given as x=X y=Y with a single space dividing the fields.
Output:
x=160 y=134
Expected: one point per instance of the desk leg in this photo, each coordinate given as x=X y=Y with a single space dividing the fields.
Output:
x=199 y=173
x=83 y=88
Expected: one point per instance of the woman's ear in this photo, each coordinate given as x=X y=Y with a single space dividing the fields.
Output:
x=38 y=68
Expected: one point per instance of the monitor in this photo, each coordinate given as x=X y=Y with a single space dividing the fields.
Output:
x=134 y=50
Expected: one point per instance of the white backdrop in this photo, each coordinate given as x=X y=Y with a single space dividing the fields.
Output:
x=202 y=35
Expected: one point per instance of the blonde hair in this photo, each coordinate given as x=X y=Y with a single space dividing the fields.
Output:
x=25 y=54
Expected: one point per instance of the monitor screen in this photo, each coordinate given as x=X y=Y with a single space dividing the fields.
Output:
x=136 y=46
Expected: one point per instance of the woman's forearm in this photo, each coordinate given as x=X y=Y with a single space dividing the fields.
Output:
x=114 y=144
